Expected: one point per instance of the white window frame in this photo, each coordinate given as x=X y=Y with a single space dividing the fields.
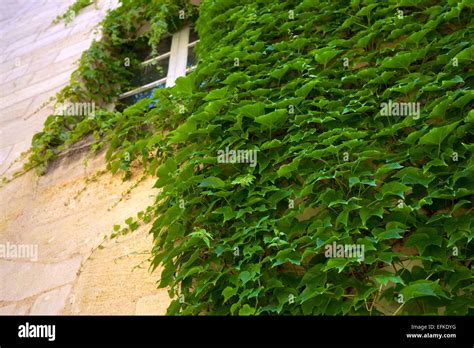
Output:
x=178 y=56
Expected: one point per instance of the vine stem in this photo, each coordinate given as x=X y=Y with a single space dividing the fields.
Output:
x=398 y=309
x=375 y=299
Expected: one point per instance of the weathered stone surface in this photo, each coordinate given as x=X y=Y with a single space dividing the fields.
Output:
x=63 y=214
x=14 y=309
x=52 y=302
x=152 y=305
x=116 y=280
x=25 y=279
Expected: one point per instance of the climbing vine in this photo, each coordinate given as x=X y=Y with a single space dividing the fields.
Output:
x=72 y=11
x=105 y=70
x=358 y=115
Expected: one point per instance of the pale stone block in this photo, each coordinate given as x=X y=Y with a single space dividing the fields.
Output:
x=14 y=67
x=52 y=70
x=12 y=112
x=21 y=280
x=38 y=101
x=41 y=42
x=14 y=309
x=35 y=89
x=27 y=29
x=43 y=60
x=73 y=50
x=152 y=305
x=22 y=42
x=4 y=153
x=16 y=84
x=13 y=133
x=3 y=55
x=56 y=46
x=16 y=73
x=52 y=302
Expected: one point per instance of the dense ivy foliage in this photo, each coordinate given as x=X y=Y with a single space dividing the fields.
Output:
x=238 y=246
x=303 y=84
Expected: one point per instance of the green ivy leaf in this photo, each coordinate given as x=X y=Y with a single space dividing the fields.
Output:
x=216 y=94
x=384 y=277
x=244 y=277
x=227 y=211
x=212 y=182
x=421 y=288
x=394 y=188
x=228 y=292
x=325 y=55
x=423 y=237
x=305 y=89
x=367 y=211
x=247 y=310
x=401 y=60
x=436 y=135
x=272 y=119
x=252 y=110
x=279 y=73
x=339 y=263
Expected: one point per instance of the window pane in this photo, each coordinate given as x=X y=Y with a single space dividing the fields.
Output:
x=143 y=50
x=193 y=36
x=138 y=96
x=150 y=72
x=191 y=60
x=165 y=45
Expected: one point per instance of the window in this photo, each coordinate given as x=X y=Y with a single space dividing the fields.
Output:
x=175 y=58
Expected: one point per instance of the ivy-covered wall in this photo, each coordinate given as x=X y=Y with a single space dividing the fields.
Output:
x=105 y=71
x=354 y=124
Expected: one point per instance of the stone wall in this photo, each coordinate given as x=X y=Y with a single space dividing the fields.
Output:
x=66 y=213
